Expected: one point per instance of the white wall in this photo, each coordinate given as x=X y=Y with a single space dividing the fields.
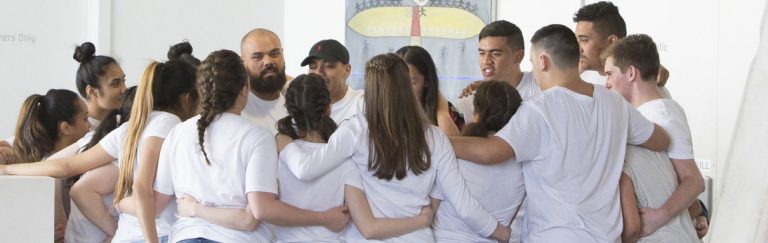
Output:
x=142 y=30
x=43 y=62
x=325 y=21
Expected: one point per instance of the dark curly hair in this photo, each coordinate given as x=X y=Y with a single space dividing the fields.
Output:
x=220 y=78
x=605 y=18
x=495 y=102
x=308 y=102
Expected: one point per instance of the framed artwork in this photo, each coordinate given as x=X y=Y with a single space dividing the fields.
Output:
x=448 y=29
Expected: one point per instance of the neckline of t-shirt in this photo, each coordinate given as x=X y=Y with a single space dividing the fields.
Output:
x=659 y=101
x=264 y=103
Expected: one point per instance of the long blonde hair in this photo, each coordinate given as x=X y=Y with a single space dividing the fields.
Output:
x=160 y=88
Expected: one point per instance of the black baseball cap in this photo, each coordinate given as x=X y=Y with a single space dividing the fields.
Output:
x=328 y=50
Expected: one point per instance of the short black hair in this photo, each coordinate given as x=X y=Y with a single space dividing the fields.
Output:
x=605 y=18
x=503 y=28
x=560 y=43
x=636 y=50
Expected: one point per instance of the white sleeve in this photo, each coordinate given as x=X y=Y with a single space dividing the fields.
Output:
x=112 y=141
x=466 y=107
x=261 y=165
x=164 y=177
x=640 y=129
x=352 y=176
x=454 y=188
x=307 y=166
x=10 y=140
x=526 y=132
x=681 y=146
x=161 y=128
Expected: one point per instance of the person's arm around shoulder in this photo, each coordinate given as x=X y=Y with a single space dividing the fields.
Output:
x=61 y=168
x=658 y=141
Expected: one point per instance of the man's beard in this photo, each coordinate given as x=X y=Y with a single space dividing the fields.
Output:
x=269 y=84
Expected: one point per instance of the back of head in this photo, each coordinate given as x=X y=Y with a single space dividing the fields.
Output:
x=220 y=79
x=495 y=103
x=503 y=28
x=560 y=43
x=308 y=103
x=396 y=125
x=638 y=51
x=37 y=128
x=419 y=57
x=160 y=88
x=91 y=67
x=183 y=52
x=605 y=18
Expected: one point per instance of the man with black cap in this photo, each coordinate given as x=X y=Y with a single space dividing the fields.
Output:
x=330 y=60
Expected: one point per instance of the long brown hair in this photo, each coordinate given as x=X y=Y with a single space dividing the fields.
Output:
x=396 y=124
x=220 y=79
x=37 y=128
x=160 y=88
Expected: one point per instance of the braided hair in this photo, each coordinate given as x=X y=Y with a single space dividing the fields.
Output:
x=220 y=79
x=308 y=102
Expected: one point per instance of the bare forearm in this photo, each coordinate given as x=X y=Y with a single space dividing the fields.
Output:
x=491 y=150
x=90 y=204
x=42 y=168
x=691 y=185
x=281 y=214
x=234 y=218
x=145 y=212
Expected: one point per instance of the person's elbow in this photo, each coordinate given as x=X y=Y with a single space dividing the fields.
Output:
x=659 y=140
x=370 y=233
x=249 y=223
x=631 y=234
x=697 y=182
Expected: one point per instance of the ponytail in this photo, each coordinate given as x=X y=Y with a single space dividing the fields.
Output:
x=140 y=113
x=30 y=128
x=37 y=128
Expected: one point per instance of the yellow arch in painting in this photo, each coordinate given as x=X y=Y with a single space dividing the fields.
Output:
x=439 y=22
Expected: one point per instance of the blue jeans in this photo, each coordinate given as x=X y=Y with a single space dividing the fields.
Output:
x=161 y=239
x=197 y=240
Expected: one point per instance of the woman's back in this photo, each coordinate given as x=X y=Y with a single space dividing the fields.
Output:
x=240 y=153
x=318 y=194
x=499 y=188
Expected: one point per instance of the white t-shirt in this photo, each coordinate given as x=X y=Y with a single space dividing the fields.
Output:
x=265 y=113
x=394 y=198
x=79 y=228
x=319 y=194
x=352 y=103
x=159 y=125
x=670 y=116
x=654 y=180
x=572 y=148
x=528 y=87
x=243 y=159
x=499 y=189
x=594 y=77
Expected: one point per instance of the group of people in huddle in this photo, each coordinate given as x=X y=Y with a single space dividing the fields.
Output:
x=231 y=149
